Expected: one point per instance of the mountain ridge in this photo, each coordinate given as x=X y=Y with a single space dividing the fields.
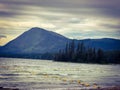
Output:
x=34 y=40
x=38 y=40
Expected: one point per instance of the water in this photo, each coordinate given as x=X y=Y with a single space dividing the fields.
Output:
x=32 y=74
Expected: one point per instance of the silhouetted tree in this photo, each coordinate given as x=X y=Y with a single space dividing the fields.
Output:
x=79 y=53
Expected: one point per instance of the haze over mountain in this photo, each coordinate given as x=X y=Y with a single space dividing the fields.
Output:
x=38 y=40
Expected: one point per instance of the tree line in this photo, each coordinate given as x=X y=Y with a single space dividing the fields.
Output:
x=74 y=52
x=82 y=54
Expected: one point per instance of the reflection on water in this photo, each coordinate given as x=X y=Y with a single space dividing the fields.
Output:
x=24 y=73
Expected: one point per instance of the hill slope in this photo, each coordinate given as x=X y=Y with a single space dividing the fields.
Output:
x=38 y=40
x=104 y=43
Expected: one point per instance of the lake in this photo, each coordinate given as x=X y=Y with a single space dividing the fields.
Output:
x=29 y=74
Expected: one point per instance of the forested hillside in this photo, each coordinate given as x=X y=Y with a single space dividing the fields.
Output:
x=80 y=53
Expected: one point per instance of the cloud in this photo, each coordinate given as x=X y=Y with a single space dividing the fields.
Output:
x=75 y=19
x=112 y=26
x=3 y=36
x=6 y=14
x=99 y=7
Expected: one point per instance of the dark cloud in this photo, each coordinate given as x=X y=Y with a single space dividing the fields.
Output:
x=46 y=3
x=113 y=12
x=111 y=26
x=108 y=11
x=3 y=36
x=86 y=7
x=13 y=2
x=64 y=16
x=65 y=3
x=7 y=14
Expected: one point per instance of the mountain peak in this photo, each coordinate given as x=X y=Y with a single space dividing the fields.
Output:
x=38 y=29
x=43 y=32
x=36 y=40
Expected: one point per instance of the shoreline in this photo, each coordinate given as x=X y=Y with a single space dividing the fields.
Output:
x=99 y=88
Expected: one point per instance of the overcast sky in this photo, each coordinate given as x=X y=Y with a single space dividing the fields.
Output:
x=78 y=19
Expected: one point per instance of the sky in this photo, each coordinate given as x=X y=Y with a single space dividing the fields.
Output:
x=76 y=19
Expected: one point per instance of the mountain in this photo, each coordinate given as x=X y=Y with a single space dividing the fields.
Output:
x=38 y=40
x=104 y=43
